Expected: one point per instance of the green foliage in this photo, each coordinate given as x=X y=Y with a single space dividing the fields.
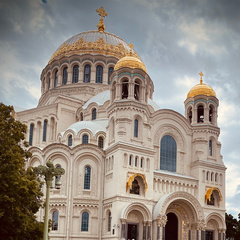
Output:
x=20 y=191
x=233 y=227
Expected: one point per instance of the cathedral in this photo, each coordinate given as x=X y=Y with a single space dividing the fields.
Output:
x=133 y=171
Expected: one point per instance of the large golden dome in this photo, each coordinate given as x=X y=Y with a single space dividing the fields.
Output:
x=201 y=89
x=131 y=62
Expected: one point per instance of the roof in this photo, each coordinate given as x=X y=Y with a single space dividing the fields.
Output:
x=93 y=42
x=131 y=62
x=94 y=126
x=201 y=89
x=103 y=97
x=99 y=99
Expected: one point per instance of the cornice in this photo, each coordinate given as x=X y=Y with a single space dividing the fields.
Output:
x=131 y=147
x=206 y=164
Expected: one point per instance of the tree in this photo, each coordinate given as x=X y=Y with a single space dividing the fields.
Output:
x=20 y=191
x=233 y=227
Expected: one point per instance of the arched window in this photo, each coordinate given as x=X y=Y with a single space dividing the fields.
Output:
x=81 y=116
x=85 y=221
x=49 y=83
x=100 y=142
x=136 y=90
x=136 y=161
x=130 y=160
x=75 y=74
x=211 y=201
x=99 y=74
x=65 y=76
x=31 y=134
x=109 y=221
x=190 y=115
x=55 y=221
x=210 y=114
x=207 y=176
x=70 y=140
x=110 y=70
x=87 y=177
x=58 y=179
x=200 y=112
x=141 y=163
x=87 y=73
x=94 y=114
x=56 y=79
x=125 y=89
x=168 y=153
x=216 y=177
x=135 y=187
x=210 y=147
x=135 y=128
x=212 y=177
x=85 y=138
x=44 y=130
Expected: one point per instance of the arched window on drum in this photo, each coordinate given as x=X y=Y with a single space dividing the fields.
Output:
x=65 y=76
x=168 y=153
x=87 y=73
x=125 y=89
x=110 y=70
x=99 y=74
x=56 y=79
x=75 y=74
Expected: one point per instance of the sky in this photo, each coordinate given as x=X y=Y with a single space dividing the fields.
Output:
x=175 y=39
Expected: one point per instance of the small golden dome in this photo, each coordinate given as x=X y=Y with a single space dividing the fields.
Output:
x=201 y=89
x=130 y=61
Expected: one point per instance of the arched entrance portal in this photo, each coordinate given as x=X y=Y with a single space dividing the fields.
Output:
x=171 y=228
x=136 y=222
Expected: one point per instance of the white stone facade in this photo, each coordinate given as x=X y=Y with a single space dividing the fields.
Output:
x=127 y=194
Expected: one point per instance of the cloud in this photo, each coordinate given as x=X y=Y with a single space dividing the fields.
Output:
x=200 y=36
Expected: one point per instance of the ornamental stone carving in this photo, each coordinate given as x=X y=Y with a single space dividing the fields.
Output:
x=172 y=131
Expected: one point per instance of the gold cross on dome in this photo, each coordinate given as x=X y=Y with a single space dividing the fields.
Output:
x=201 y=75
x=101 y=11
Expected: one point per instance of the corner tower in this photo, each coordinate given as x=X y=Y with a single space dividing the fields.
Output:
x=201 y=107
x=201 y=104
x=130 y=89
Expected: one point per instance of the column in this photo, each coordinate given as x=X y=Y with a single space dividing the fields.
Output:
x=144 y=231
x=142 y=95
x=105 y=75
x=80 y=74
x=118 y=91
x=51 y=81
x=123 y=230
x=163 y=233
x=206 y=115
x=161 y=222
x=158 y=232
x=149 y=231
x=93 y=75
x=194 y=115
x=130 y=90
x=59 y=79
x=69 y=80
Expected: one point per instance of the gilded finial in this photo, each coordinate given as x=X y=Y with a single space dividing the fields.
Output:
x=131 y=49
x=102 y=13
x=201 y=75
